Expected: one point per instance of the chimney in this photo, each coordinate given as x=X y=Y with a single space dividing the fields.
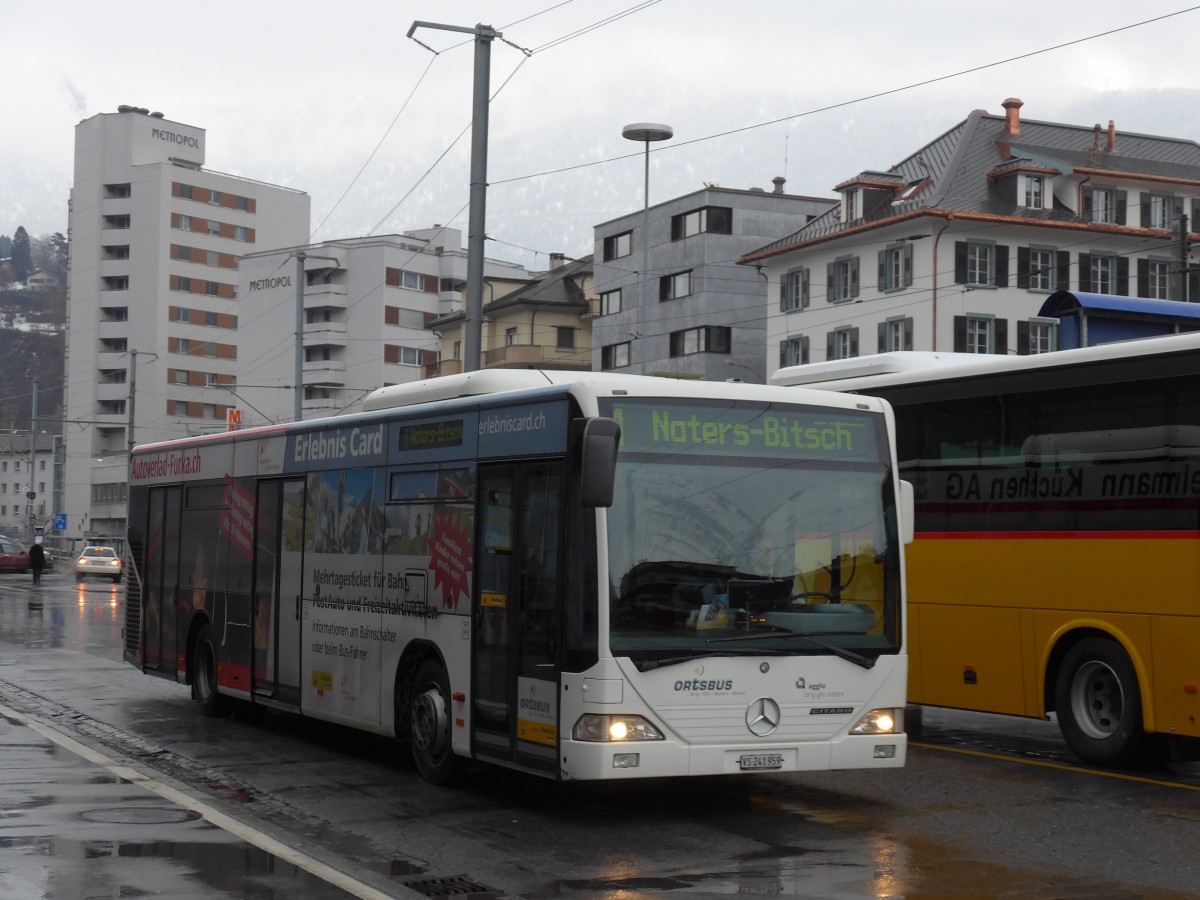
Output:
x=556 y=261
x=1112 y=137
x=1012 y=115
x=779 y=181
x=1096 y=139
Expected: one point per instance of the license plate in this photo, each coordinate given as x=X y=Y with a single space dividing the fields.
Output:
x=749 y=762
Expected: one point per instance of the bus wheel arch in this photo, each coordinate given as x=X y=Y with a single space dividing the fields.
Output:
x=202 y=663
x=423 y=714
x=1093 y=686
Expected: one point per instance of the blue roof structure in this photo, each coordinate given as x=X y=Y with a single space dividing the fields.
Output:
x=1086 y=320
x=1064 y=302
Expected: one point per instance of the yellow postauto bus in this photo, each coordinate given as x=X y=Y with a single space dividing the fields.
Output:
x=1056 y=566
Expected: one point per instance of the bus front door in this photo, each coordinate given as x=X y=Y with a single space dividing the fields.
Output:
x=278 y=543
x=517 y=619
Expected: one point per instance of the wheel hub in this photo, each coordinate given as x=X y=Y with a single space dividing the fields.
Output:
x=430 y=722
x=1097 y=700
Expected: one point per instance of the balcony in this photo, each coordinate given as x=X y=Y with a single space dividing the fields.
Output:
x=326 y=406
x=114 y=268
x=445 y=367
x=111 y=392
x=513 y=356
x=317 y=334
x=112 y=330
x=325 y=296
x=324 y=371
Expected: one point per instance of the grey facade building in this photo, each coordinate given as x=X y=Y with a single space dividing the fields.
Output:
x=694 y=312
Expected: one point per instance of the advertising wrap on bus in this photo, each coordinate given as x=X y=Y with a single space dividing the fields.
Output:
x=583 y=576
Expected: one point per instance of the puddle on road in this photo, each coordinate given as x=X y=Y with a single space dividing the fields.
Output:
x=61 y=868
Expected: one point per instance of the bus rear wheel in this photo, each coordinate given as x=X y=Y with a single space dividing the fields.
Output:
x=204 y=674
x=1099 y=704
x=429 y=725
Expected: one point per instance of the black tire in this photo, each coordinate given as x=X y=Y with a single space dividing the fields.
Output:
x=204 y=674
x=1099 y=704
x=429 y=725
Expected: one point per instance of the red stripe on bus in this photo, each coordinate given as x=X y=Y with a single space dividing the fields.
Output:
x=1181 y=535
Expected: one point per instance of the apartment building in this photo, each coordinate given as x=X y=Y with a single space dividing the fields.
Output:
x=29 y=470
x=690 y=310
x=153 y=307
x=969 y=236
x=366 y=307
x=542 y=322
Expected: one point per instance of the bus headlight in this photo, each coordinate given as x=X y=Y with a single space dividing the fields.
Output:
x=880 y=721
x=615 y=728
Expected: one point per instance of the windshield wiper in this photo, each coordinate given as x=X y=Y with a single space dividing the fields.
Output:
x=645 y=665
x=858 y=659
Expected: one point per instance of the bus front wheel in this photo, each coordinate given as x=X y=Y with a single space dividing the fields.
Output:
x=204 y=674
x=429 y=725
x=1099 y=704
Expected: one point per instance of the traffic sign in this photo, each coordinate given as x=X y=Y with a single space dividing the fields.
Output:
x=60 y=521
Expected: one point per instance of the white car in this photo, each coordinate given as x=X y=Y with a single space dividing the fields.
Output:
x=102 y=562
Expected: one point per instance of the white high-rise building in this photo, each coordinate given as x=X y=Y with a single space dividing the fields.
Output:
x=155 y=244
x=367 y=303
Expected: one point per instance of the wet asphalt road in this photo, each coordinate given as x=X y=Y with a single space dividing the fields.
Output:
x=987 y=806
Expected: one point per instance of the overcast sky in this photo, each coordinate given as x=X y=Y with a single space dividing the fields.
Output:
x=301 y=94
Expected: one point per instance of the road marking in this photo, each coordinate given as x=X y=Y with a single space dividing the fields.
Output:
x=1062 y=767
x=238 y=829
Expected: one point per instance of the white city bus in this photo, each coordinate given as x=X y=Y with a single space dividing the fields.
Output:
x=582 y=576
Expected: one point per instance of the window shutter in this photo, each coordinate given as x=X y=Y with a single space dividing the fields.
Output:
x=1001 y=341
x=908 y=334
x=1122 y=199
x=1123 y=276
x=908 y=259
x=854 y=277
x=1001 y=279
x=1143 y=277
x=431 y=284
x=1023 y=268
x=1062 y=270
x=1193 y=286
x=883 y=285
x=804 y=349
x=854 y=341
x=783 y=292
x=783 y=360
x=960 y=334
x=960 y=262
x=1145 y=198
x=830 y=283
x=882 y=337
x=829 y=345
x=1087 y=205
x=804 y=288
x=1085 y=271
x=1022 y=338
x=1176 y=212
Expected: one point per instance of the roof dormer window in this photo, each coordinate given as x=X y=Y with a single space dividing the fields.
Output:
x=850 y=205
x=1033 y=191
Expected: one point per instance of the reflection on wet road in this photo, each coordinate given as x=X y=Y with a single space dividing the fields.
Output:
x=72 y=831
x=987 y=805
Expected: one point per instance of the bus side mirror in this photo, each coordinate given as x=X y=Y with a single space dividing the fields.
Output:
x=908 y=511
x=598 y=469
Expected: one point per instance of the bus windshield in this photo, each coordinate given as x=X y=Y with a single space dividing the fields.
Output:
x=751 y=528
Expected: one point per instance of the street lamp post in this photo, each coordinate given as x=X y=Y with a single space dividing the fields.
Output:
x=646 y=132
